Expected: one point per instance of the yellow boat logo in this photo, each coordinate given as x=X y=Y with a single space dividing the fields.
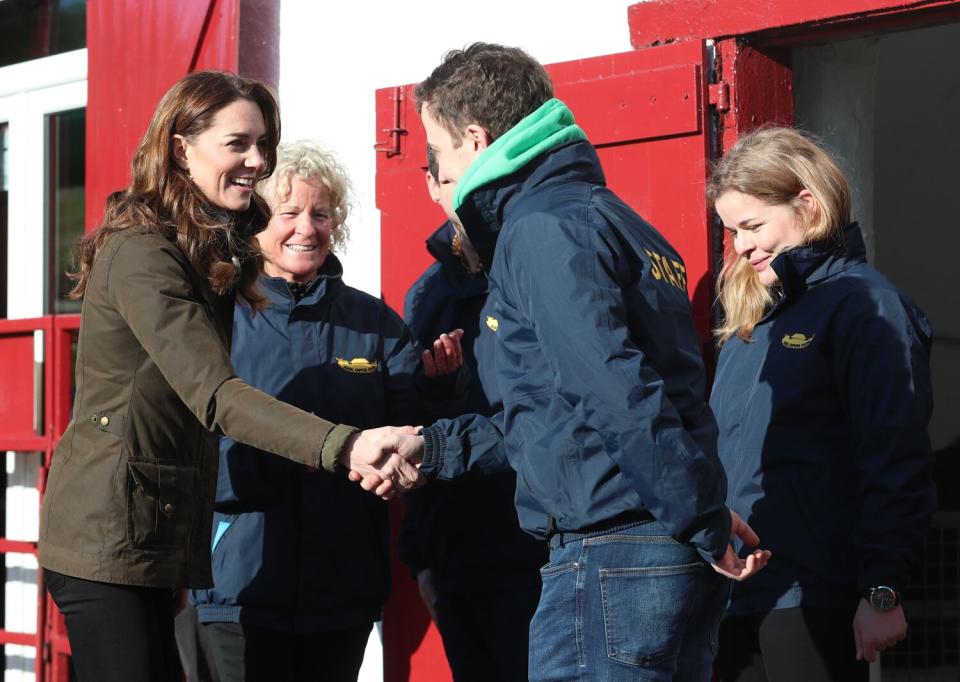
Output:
x=493 y=323
x=797 y=340
x=358 y=365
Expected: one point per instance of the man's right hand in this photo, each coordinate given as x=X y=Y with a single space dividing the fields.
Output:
x=377 y=461
x=733 y=566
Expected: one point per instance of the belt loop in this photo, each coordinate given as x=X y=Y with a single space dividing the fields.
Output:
x=552 y=531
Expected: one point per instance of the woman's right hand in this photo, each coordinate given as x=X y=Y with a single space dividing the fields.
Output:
x=379 y=464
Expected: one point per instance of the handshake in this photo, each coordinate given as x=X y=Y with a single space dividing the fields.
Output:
x=385 y=461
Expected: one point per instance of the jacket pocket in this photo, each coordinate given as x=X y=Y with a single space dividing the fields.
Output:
x=161 y=500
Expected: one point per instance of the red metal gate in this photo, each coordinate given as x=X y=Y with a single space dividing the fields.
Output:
x=34 y=410
x=647 y=112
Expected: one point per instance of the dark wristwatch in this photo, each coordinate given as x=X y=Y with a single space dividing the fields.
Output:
x=881 y=597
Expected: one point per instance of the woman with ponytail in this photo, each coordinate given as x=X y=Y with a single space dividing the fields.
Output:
x=822 y=396
x=127 y=513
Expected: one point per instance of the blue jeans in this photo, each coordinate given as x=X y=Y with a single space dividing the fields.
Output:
x=631 y=605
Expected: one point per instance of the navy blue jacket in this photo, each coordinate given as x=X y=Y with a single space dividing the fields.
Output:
x=595 y=356
x=823 y=431
x=464 y=530
x=293 y=549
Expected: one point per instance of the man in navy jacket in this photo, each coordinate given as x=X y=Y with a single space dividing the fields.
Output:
x=476 y=569
x=595 y=359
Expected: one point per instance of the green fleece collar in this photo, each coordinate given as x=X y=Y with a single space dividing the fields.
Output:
x=549 y=126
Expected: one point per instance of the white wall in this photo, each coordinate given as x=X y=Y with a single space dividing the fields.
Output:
x=883 y=105
x=333 y=56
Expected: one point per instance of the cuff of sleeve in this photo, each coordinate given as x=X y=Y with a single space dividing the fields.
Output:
x=874 y=576
x=333 y=444
x=434 y=444
x=712 y=541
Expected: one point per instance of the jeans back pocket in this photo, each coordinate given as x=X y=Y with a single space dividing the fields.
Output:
x=646 y=611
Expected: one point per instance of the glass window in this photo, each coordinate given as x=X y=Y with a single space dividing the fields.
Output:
x=39 y=28
x=65 y=212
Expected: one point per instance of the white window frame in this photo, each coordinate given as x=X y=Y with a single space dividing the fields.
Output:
x=29 y=91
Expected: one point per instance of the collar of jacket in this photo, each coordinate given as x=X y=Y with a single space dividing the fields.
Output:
x=326 y=283
x=543 y=147
x=800 y=267
x=440 y=246
x=245 y=224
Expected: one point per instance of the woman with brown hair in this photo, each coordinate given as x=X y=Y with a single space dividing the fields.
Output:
x=822 y=396
x=126 y=519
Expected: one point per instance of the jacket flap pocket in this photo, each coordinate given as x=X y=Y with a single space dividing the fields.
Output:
x=161 y=502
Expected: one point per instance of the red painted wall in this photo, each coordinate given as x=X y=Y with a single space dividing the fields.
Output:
x=660 y=21
x=136 y=49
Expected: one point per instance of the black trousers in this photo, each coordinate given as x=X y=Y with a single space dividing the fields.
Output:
x=803 y=644
x=249 y=654
x=486 y=634
x=117 y=633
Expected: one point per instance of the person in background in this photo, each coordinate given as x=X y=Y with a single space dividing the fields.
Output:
x=477 y=571
x=822 y=395
x=128 y=506
x=300 y=556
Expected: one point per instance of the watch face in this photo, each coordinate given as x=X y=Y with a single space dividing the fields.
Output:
x=883 y=598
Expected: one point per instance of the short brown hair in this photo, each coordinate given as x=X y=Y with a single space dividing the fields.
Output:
x=490 y=85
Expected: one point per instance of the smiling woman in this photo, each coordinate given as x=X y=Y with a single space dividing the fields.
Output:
x=226 y=159
x=822 y=397
x=127 y=513
x=279 y=608
x=309 y=197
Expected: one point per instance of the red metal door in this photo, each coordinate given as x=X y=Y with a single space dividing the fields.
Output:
x=136 y=51
x=647 y=113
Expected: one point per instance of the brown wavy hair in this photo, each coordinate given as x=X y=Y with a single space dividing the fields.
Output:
x=774 y=165
x=162 y=198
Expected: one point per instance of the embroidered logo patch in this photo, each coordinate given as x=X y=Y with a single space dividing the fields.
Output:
x=358 y=365
x=493 y=323
x=668 y=270
x=797 y=340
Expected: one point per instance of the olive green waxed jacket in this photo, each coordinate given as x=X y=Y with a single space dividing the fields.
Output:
x=129 y=497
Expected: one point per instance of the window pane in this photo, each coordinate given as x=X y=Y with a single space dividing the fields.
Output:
x=39 y=28
x=66 y=203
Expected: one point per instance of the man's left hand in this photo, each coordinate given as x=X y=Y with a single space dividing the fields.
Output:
x=445 y=357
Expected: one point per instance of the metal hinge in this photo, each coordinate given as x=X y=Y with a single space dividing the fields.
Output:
x=719 y=95
x=392 y=147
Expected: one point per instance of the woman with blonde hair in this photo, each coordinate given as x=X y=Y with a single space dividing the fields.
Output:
x=129 y=499
x=822 y=396
x=295 y=596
